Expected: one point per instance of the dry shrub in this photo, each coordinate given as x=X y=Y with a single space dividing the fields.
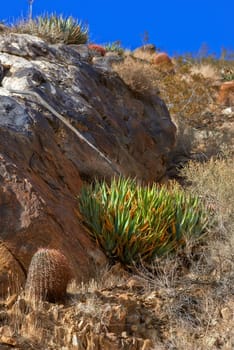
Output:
x=143 y=55
x=208 y=71
x=198 y=285
x=211 y=275
x=139 y=75
x=214 y=181
x=186 y=95
x=186 y=98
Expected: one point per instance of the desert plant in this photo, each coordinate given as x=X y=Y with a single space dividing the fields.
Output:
x=55 y=29
x=114 y=47
x=48 y=276
x=133 y=223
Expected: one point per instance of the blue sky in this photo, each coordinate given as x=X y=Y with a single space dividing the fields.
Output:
x=175 y=26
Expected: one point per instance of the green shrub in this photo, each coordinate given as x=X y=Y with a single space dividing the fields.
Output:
x=55 y=29
x=133 y=223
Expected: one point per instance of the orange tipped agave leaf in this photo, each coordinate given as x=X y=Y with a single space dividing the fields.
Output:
x=108 y=224
x=135 y=223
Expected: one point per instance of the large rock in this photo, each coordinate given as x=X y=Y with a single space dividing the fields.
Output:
x=43 y=163
x=162 y=59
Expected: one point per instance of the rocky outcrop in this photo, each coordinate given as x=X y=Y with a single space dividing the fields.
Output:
x=43 y=162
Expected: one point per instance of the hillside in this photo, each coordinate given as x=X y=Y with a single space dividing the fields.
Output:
x=73 y=114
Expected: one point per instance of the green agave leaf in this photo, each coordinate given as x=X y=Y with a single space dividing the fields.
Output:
x=134 y=223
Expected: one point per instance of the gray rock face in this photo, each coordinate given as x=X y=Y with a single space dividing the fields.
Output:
x=135 y=134
x=42 y=161
x=23 y=45
x=13 y=116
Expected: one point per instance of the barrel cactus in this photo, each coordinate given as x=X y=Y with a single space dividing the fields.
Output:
x=48 y=276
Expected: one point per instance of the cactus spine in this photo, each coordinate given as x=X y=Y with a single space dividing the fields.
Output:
x=48 y=276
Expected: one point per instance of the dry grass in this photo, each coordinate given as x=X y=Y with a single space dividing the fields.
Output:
x=208 y=71
x=186 y=94
x=138 y=75
x=214 y=180
x=209 y=283
x=143 y=55
x=197 y=284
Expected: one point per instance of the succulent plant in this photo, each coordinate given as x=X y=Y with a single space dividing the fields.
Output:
x=114 y=47
x=55 y=29
x=134 y=223
x=48 y=275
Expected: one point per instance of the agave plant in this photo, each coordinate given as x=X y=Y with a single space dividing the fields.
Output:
x=55 y=29
x=133 y=223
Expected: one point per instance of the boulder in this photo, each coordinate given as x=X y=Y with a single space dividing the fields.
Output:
x=226 y=93
x=162 y=59
x=77 y=122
